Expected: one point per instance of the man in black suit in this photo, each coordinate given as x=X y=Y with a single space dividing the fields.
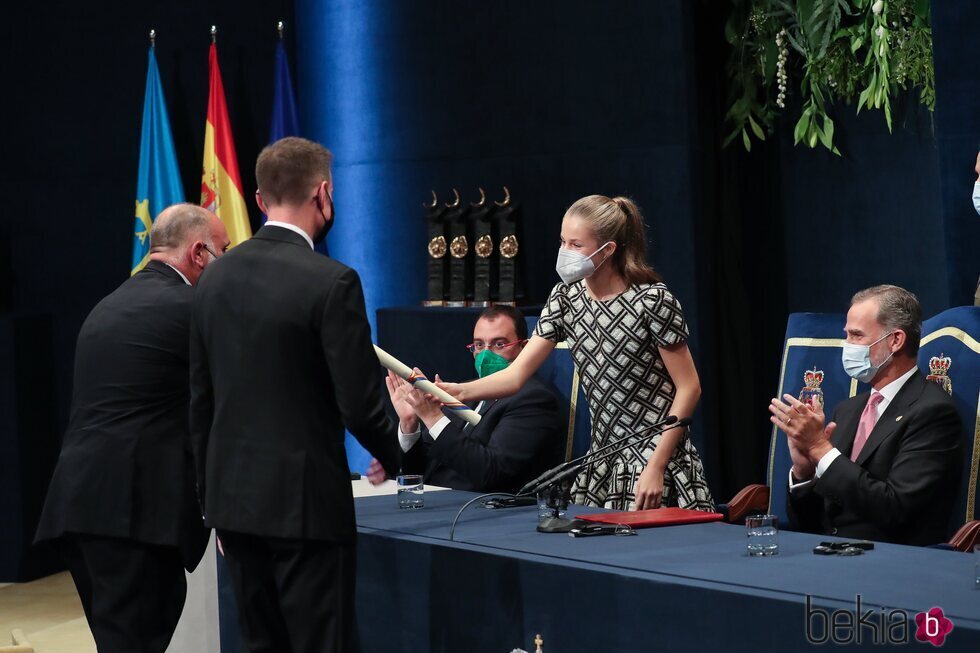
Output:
x=517 y=438
x=887 y=466
x=281 y=362
x=121 y=503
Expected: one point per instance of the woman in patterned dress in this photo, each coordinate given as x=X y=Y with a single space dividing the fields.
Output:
x=628 y=338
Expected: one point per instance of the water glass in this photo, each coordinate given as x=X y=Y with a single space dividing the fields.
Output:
x=763 y=535
x=410 y=490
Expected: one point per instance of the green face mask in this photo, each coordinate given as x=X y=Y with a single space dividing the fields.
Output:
x=488 y=362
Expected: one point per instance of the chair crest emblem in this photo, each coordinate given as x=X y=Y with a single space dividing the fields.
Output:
x=939 y=372
x=812 y=394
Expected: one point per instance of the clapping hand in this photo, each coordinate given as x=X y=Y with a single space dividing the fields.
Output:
x=805 y=430
x=409 y=400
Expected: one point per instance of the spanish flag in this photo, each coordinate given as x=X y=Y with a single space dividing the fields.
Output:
x=221 y=183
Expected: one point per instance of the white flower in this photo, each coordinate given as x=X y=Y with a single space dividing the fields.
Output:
x=877 y=7
x=881 y=29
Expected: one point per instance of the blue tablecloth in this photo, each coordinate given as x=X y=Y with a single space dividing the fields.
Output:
x=678 y=588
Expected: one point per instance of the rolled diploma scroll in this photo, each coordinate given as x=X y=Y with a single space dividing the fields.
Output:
x=425 y=385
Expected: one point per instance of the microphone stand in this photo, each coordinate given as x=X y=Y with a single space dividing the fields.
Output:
x=532 y=487
x=563 y=479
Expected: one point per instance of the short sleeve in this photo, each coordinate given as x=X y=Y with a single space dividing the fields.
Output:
x=551 y=324
x=667 y=323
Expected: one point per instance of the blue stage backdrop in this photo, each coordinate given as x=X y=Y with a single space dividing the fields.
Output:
x=561 y=99
x=555 y=100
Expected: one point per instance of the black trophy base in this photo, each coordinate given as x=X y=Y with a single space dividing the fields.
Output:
x=559 y=524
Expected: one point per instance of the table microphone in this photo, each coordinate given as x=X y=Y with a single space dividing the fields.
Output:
x=565 y=472
x=556 y=524
x=525 y=496
x=554 y=471
x=681 y=423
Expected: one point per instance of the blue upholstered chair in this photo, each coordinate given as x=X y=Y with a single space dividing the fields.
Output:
x=950 y=355
x=559 y=371
x=810 y=365
x=813 y=344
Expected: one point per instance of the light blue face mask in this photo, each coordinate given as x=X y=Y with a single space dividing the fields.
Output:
x=976 y=196
x=857 y=360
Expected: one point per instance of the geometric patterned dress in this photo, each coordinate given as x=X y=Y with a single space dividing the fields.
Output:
x=615 y=346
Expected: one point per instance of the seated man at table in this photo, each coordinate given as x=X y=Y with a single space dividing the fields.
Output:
x=887 y=466
x=517 y=438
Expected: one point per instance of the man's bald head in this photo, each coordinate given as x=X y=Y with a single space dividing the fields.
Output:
x=178 y=224
x=187 y=237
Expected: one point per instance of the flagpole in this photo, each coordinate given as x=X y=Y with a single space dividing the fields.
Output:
x=153 y=38
x=279 y=27
x=214 y=34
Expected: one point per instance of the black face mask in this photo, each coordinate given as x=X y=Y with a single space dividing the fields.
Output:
x=327 y=224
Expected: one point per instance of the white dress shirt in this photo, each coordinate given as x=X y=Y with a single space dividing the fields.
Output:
x=888 y=394
x=408 y=440
x=292 y=227
x=178 y=272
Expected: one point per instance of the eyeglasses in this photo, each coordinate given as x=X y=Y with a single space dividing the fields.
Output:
x=496 y=345
x=210 y=251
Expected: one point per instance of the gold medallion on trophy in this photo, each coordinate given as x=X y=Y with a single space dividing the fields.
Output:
x=508 y=246
x=484 y=246
x=437 y=247
x=458 y=247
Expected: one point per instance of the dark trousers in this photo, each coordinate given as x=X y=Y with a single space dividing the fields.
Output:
x=293 y=596
x=132 y=593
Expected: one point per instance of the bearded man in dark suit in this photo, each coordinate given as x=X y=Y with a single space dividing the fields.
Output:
x=887 y=466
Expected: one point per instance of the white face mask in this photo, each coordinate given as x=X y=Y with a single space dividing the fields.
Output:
x=857 y=360
x=976 y=196
x=572 y=266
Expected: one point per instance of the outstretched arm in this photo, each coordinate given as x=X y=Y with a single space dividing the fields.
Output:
x=505 y=382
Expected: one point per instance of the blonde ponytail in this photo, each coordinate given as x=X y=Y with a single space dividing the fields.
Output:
x=619 y=220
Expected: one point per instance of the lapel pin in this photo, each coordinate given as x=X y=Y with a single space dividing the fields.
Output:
x=898 y=419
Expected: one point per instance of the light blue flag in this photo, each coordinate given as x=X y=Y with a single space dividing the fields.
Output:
x=158 y=183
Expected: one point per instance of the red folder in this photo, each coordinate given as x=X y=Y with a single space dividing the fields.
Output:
x=654 y=517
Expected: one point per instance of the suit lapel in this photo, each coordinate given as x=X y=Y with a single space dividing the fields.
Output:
x=433 y=468
x=487 y=405
x=888 y=423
